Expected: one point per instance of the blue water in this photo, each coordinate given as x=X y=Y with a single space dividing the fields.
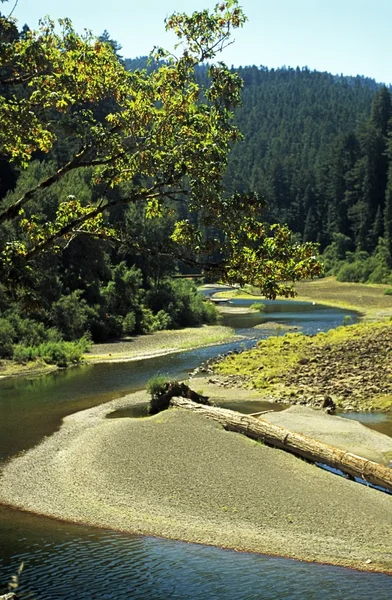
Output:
x=65 y=561
x=78 y=563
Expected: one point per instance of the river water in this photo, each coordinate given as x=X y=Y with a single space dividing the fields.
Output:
x=65 y=561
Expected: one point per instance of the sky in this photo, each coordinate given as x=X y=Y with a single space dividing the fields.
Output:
x=349 y=37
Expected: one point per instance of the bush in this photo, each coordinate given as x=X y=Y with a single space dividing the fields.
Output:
x=183 y=304
x=259 y=306
x=27 y=331
x=161 y=320
x=24 y=354
x=70 y=314
x=356 y=272
x=7 y=338
x=157 y=385
x=129 y=323
x=63 y=353
x=388 y=292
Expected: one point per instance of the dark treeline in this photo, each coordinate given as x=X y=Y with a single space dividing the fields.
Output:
x=317 y=147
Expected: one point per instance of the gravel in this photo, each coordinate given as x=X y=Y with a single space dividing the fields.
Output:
x=179 y=476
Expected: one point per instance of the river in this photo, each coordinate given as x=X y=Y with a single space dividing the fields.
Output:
x=66 y=561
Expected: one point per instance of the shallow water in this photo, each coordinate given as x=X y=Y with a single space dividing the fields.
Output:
x=65 y=561
x=381 y=422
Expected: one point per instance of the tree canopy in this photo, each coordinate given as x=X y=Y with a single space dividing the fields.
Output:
x=156 y=136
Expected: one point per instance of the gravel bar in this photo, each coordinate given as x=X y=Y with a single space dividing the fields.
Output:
x=179 y=476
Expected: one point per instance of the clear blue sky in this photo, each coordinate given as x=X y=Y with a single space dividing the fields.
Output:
x=340 y=36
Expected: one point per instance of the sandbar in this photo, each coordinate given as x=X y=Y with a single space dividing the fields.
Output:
x=180 y=476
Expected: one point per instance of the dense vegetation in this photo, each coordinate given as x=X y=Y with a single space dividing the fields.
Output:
x=111 y=178
x=318 y=148
x=112 y=184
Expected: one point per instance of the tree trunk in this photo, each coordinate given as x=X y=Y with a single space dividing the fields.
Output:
x=296 y=443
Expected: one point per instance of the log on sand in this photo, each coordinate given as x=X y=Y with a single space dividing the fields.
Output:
x=296 y=443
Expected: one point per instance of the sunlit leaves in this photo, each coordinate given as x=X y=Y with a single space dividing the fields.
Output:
x=162 y=133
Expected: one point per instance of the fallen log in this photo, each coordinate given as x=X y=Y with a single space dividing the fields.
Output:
x=296 y=443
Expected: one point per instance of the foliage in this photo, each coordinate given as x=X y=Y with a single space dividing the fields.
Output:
x=159 y=137
x=360 y=266
x=129 y=323
x=157 y=385
x=58 y=353
x=63 y=353
x=70 y=315
x=259 y=306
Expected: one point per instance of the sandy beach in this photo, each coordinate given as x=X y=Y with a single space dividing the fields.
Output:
x=180 y=476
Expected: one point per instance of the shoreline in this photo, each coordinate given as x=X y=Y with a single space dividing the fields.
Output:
x=368 y=300
x=155 y=476
x=148 y=346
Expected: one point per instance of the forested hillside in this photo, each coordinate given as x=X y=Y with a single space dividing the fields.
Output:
x=317 y=148
x=111 y=181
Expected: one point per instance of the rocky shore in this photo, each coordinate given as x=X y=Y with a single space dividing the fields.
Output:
x=351 y=370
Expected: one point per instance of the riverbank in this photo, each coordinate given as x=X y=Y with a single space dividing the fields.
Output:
x=179 y=476
x=139 y=347
x=160 y=343
x=350 y=365
x=369 y=300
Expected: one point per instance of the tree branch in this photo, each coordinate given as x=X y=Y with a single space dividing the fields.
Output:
x=76 y=223
x=15 y=5
x=12 y=211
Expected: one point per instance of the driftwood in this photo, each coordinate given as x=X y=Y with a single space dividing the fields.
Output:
x=296 y=443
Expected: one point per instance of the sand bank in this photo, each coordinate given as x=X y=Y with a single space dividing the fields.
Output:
x=179 y=476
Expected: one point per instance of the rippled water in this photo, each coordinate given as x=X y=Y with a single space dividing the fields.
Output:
x=78 y=563
x=64 y=561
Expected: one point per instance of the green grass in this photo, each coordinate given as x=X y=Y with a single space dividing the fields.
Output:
x=275 y=357
x=370 y=299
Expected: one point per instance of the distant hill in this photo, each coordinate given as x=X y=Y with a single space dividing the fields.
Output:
x=314 y=147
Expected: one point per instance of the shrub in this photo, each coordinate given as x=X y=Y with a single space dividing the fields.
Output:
x=388 y=292
x=27 y=331
x=70 y=314
x=157 y=385
x=146 y=319
x=63 y=353
x=7 y=338
x=129 y=323
x=259 y=306
x=356 y=272
x=162 y=320
x=24 y=354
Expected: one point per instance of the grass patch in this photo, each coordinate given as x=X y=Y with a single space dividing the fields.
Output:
x=9 y=368
x=351 y=363
x=267 y=360
x=238 y=294
x=369 y=299
x=257 y=306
